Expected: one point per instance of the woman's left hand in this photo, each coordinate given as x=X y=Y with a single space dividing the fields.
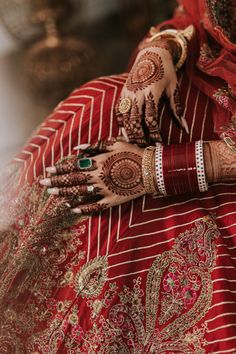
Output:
x=110 y=174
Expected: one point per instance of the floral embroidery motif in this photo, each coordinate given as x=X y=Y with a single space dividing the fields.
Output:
x=91 y=278
x=223 y=96
x=207 y=56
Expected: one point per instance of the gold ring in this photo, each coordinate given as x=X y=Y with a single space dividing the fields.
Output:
x=125 y=105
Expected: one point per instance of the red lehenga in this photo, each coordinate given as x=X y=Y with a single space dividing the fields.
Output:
x=156 y=275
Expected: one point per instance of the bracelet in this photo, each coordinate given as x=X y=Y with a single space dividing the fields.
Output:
x=159 y=170
x=201 y=174
x=148 y=170
x=180 y=169
x=180 y=37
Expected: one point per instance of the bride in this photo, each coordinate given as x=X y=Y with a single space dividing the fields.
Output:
x=118 y=234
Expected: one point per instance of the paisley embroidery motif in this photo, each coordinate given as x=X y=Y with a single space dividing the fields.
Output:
x=178 y=288
x=224 y=96
x=91 y=278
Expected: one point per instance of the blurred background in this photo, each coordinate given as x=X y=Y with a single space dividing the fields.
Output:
x=50 y=47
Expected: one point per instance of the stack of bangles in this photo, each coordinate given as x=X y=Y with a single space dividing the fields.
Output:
x=175 y=169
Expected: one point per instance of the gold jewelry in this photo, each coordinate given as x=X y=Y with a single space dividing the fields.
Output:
x=147 y=170
x=125 y=105
x=180 y=37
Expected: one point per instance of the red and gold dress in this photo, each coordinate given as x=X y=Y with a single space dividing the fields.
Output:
x=155 y=275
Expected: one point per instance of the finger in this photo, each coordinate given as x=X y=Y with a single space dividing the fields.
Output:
x=93 y=208
x=135 y=123
x=67 y=180
x=124 y=135
x=127 y=127
x=73 y=164
x=119 y=116
x=67 y=165
x=151 y=119
x=174 y=95
x=75 y=202
x=75 y=191
x=102 y=146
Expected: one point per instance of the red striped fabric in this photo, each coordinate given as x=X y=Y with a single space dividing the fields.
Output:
x=156 y=275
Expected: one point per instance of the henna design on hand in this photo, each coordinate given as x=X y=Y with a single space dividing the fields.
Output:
x=67 y=165
x=151 y=119
x=122 y=174
x=119 y=116
x=147 y=70
x=93 y=208
x=177 y=102
x=75 y=191
x=135 y=123
x=128 y=129
x=168 y=44
x=100 y=147
x=69 y=180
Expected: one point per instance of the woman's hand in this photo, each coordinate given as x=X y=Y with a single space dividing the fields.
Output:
x=153 y=74
x=112 y=177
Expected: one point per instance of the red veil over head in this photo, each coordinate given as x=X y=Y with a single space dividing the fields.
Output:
x=215 y=40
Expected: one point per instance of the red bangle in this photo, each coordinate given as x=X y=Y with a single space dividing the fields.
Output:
x=183 y=169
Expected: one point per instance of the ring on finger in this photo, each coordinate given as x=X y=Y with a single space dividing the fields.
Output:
x=80 y=190
x=86 y=164
x=125 y=105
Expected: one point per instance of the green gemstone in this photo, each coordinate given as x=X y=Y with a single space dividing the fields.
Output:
x=85 y=163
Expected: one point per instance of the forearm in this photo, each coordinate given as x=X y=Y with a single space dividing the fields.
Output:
x=187 y=168
x=220 y=162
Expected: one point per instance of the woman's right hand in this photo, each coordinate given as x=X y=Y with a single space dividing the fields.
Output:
x=152 y=74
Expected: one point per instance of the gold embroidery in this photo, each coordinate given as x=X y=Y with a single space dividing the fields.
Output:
x=91 y=278
x=162 y=316
x=178 y=295
x=36 y=249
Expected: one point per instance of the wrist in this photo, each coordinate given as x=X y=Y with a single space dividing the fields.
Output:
x=180 y=37
x=174 y=169
x=172 y=46
x=220 y=162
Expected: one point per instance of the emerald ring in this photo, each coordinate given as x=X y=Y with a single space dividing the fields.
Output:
x=86 y=163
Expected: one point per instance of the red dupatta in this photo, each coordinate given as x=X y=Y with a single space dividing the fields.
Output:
x=213 y=50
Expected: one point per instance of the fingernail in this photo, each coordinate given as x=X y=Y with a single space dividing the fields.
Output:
x=45 y=182
x=51 y=169
x=68 y=205
x=185 y=125
x=76 y=211
x=82 y=147
x=53 y=191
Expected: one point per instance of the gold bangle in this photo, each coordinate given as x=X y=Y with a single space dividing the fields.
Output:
x=147 y=170
x=180 y=37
